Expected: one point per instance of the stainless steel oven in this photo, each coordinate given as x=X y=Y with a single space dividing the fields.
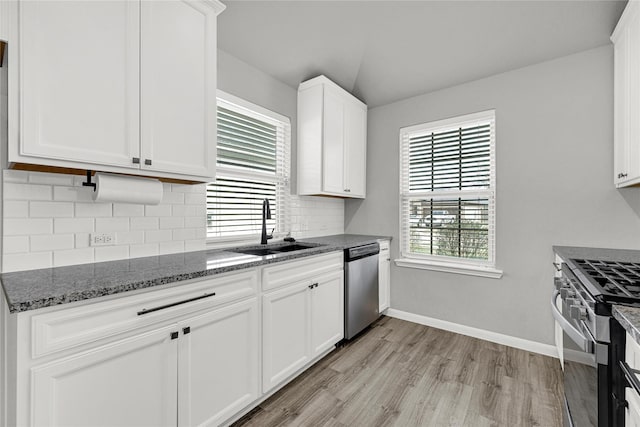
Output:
x=586 y=368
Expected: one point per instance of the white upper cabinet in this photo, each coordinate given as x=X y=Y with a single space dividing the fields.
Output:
x=626 y=40
x=120 y=86
x=332 y=139
x=79 y=81
x=178 y=87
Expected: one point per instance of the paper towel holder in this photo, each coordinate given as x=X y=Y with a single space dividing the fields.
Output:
x=89 y=183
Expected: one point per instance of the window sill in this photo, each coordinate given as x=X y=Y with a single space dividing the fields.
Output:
x=450 y=267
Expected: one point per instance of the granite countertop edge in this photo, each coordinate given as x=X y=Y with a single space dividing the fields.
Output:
x=629 y=318
x=34 y=289
x=81 y=288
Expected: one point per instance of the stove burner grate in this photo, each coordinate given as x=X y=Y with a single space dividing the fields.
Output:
x=615 y=278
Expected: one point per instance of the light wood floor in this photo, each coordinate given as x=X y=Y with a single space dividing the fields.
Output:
x=403 y=374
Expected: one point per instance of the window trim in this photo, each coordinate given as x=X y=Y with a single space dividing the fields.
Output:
x=483 y=268
x=249 y=108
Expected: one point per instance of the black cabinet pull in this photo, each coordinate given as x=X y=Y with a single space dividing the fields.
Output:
x=147 y=162
x=174 y=335
x=310 y=286
x=186 y=330
x=315 y=285
x=162 y=307
x=136 y=160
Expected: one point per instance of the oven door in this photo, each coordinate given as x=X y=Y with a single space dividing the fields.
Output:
x=582 y=371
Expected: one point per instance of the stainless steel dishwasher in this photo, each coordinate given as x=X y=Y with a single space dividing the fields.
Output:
x=360 y=288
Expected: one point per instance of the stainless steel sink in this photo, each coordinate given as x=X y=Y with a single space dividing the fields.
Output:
x=273 y=250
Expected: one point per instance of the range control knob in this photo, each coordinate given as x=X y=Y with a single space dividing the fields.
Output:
x=567 y=293
x=578 y=312
x=558 y=283
x=572 y=301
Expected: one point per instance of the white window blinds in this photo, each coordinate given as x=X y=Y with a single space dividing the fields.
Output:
x=448 y=189
x=252 y=164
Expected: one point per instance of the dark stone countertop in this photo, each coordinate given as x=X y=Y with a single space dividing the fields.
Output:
x=33 y=289
x=346 y=240
x=602 y=254
x=629 y=318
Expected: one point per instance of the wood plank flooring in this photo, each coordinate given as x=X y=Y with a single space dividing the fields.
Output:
x=403 y=374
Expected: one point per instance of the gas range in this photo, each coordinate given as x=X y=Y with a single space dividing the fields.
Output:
x=588 y=282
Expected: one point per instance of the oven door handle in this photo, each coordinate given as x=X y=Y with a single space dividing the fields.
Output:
x=583 y=342
x=630 y=375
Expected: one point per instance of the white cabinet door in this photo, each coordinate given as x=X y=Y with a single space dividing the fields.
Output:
x=327 y=312
x=178 y=86
x=79 y=81
x=129 y=383
x=355 y=149
x=384 y=276
x=219 y=356
x=285 y=332
x=333 y=150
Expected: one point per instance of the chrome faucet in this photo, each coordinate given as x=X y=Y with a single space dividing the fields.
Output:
x=266 y=214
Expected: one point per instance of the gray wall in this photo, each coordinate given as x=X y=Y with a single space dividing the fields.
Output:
x=554 y=124
x=249 y=83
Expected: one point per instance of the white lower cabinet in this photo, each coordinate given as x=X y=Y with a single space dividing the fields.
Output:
x=302 y=319
x=199 y=371
x=129 y=383
x=285 y=333
x=219 y=360
x=384 y=276
x=197 y=354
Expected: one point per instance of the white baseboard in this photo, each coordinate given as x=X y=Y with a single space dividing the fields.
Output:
x=532 y=346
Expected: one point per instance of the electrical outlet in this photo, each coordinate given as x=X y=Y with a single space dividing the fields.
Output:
x=103 y=239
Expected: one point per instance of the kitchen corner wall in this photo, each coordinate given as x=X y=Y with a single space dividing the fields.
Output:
x=48 y=218
x=554 y=151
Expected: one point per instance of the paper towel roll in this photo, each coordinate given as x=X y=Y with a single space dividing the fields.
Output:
x=127 y=189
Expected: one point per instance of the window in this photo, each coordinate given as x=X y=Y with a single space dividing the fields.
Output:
x=447 y=178
x=252 y=164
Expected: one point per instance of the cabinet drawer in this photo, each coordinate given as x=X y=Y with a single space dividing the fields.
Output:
x=301 y=269
x=384 y=246
x=71 y=327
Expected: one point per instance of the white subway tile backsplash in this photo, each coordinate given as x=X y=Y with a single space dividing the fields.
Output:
x=171 y=247
x=111 y=253
x=111 y=224
x=153 y=236
x=136 y=251
x=27 y=227
x=194 y=198
x=50 y=209
x=15 y=244
x=157 y=210
x=93 y=210
x=52 y=242
x=83 y=240
x=15 y=176
x=171 y=222
x=194 y=245
x=73 y=256
x=184 y=234
x=73 y=194
x=13 y=191
x=144 y=223
x=48 y=219
x=127 y=209
x=51 y=179
x=16 y=209
x=195 y=221
x=73 y=225
x=173 y=198
x=130 y=238
x=28 y=261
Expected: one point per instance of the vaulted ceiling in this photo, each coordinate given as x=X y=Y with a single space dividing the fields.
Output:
x=384 y=51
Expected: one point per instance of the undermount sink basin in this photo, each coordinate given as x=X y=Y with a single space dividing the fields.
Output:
x=272 y=250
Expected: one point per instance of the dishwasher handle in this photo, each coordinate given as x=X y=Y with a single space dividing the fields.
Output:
x=357 y=252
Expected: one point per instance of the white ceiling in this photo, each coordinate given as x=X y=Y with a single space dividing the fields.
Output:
x=384 y=51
